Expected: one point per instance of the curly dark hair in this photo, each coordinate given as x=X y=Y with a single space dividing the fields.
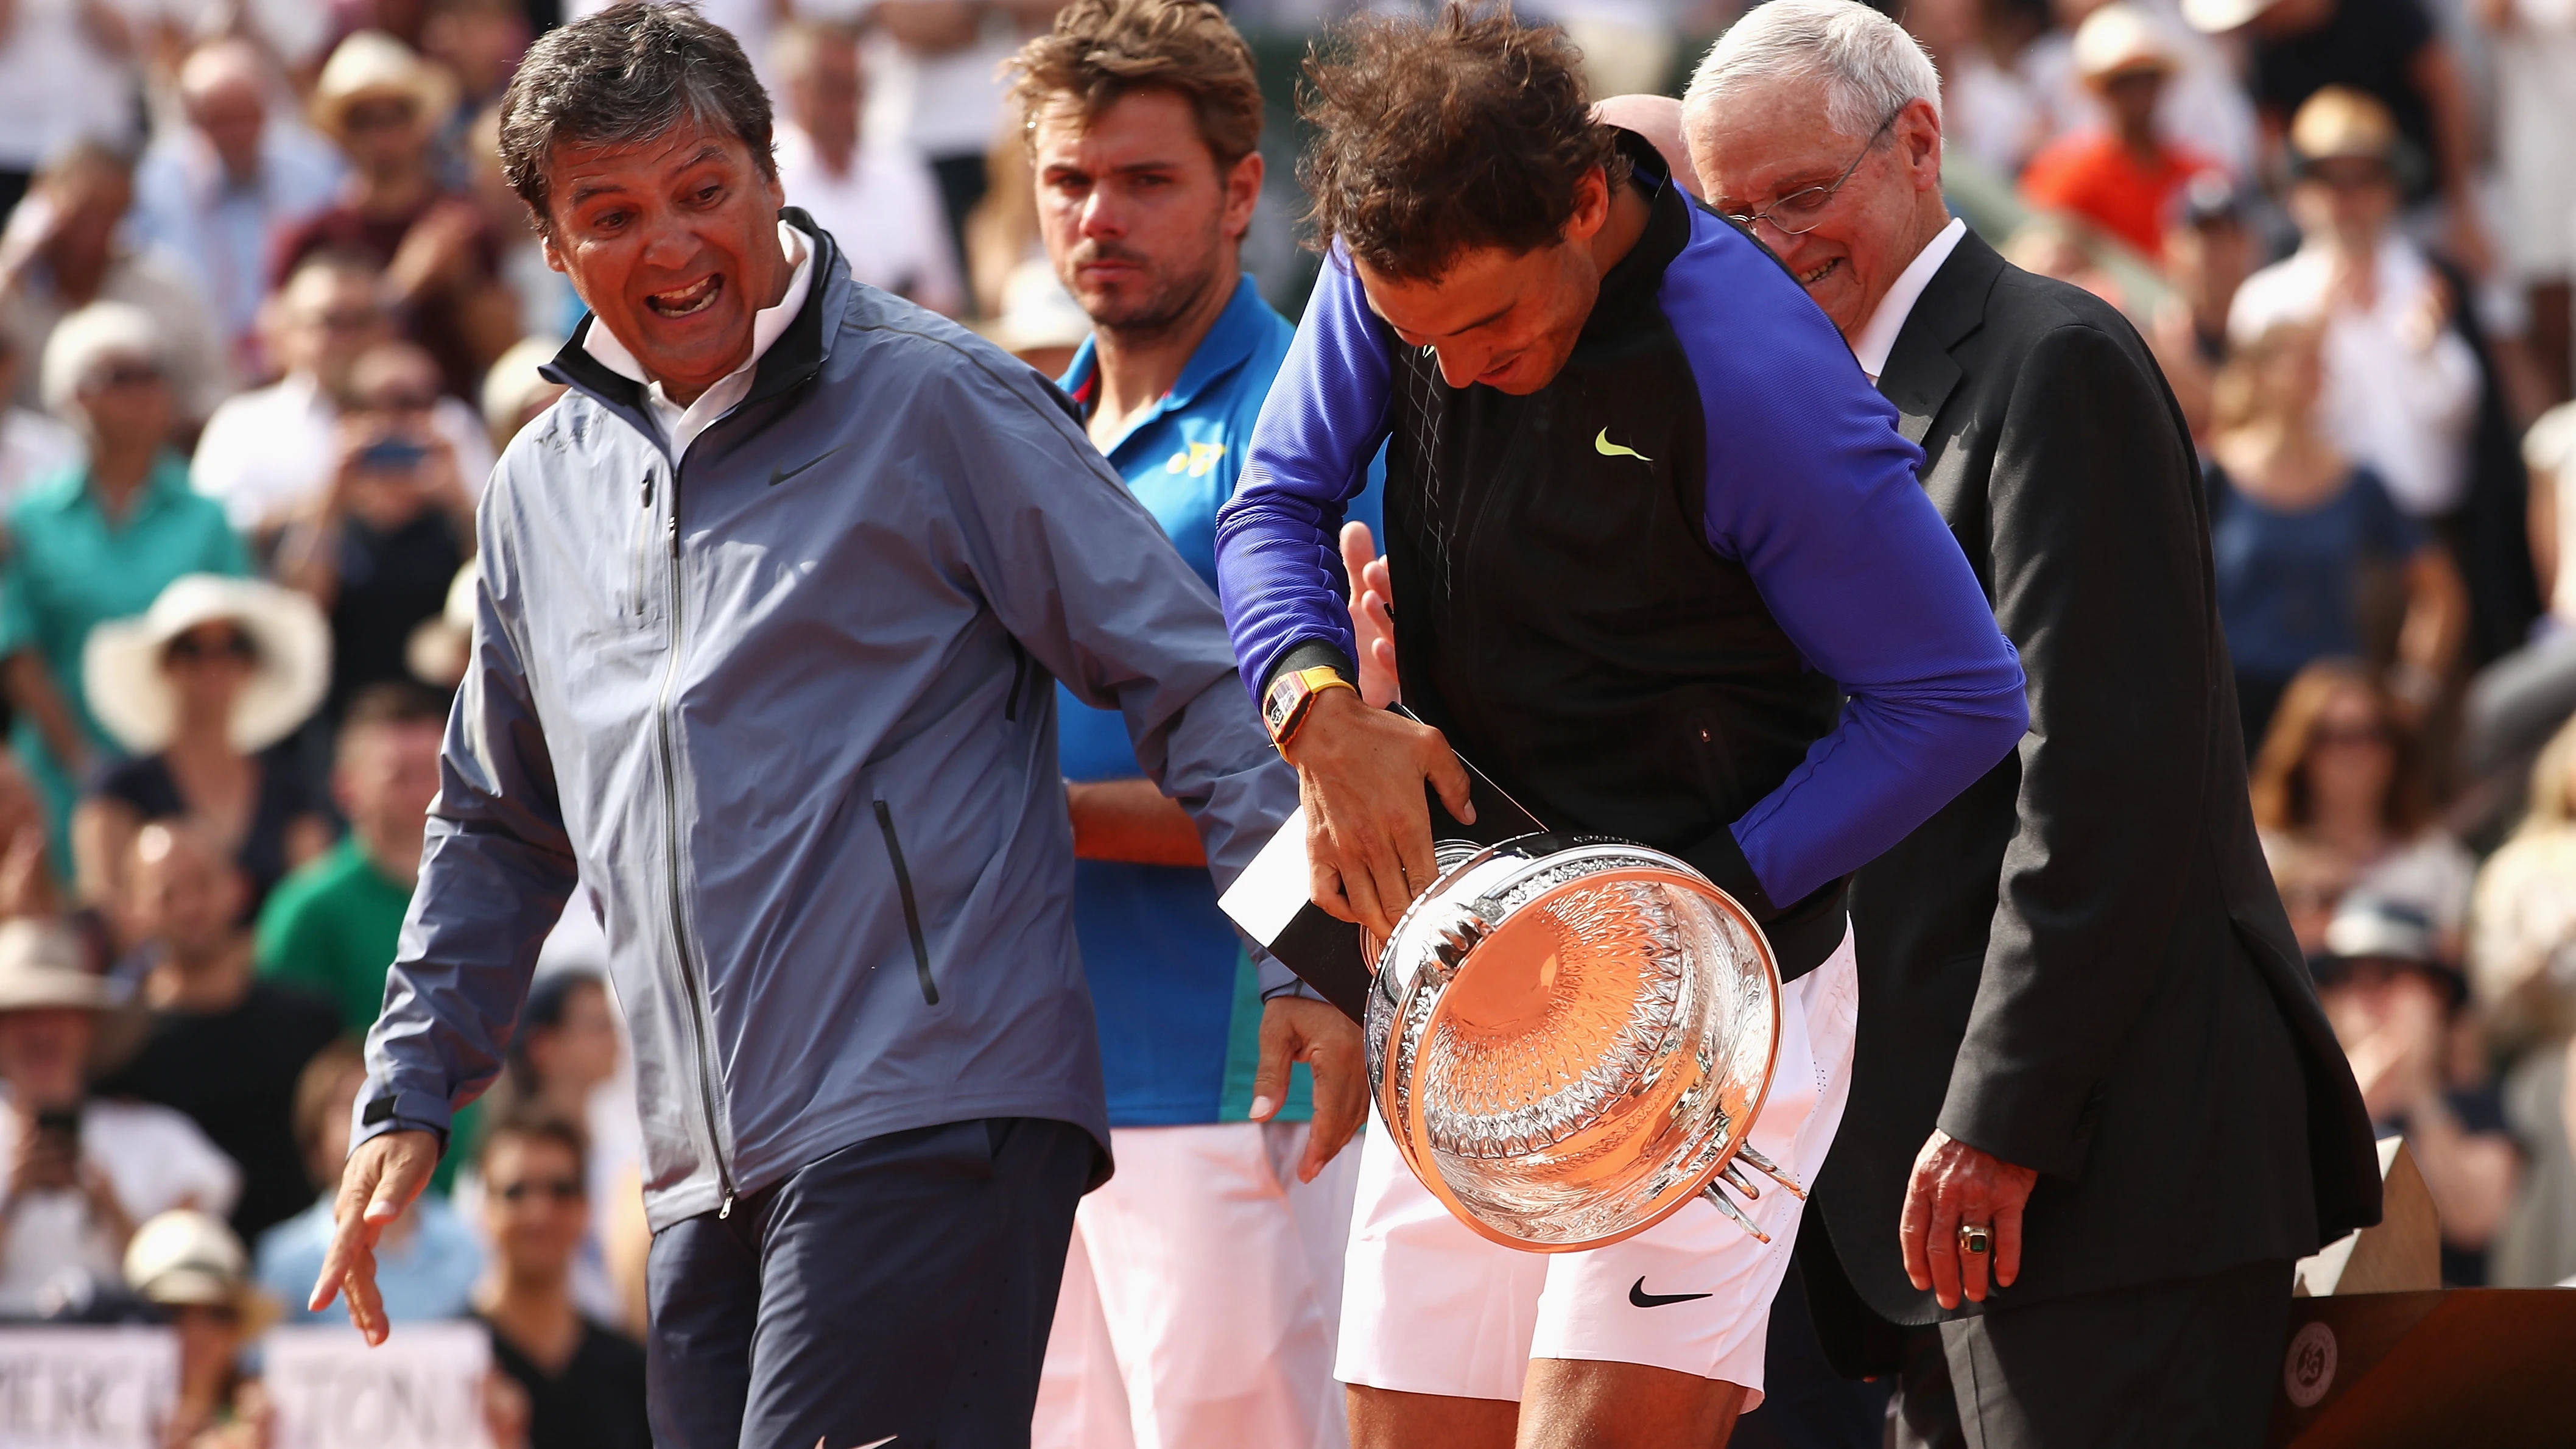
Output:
x=1470 y=130
x=628 y=73
x=1100 y=50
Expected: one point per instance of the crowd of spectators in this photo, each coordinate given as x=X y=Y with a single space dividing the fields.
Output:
x=267 y=311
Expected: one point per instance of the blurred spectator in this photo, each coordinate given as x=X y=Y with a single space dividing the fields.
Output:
x=2534 y=50
x=548 y=307
x=585 y=1383
x=426 y=1262
x=62 y=251
x=2390 y=50
x=269 y=455
x=213 y=191
x=515 y=393
x=2394 y=1004
x=2209 y=251
x=66 y=75
x=874 y=196
x=1989 y=113
x=330 y=927
x=2122 y=177
x=2294 y=524
x=2522 y=972
x=81 y=1172
x=223 y=1046
x=2516 y=703
x=192 y=1268
x=379 y=547
x=934 y=86
x=2344 y=805
x=383 y=104
x=99 y=541
x=562 y=1065
x=478 y=43
x=32 y=445
x=2401 y=385
x=2204 y=108
x=200 y=692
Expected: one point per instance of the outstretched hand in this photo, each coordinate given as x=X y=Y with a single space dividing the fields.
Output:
x=1296 y=1029
x=1954 y=1183
x=377 y=1183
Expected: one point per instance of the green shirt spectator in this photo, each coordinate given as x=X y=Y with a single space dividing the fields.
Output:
x=77 y=561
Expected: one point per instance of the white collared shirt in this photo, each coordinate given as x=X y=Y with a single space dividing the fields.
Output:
x=681 y=425
x=1878 y=337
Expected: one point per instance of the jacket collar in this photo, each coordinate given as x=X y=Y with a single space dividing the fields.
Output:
x=797 y=355
x=1633 y=282
x=1920 y=371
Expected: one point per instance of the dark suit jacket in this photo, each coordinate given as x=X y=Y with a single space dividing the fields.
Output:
x=2080 y=964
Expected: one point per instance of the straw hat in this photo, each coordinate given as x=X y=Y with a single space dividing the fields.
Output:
x=2341 y=123
x=121 y=664
x=370 y=64
x=185 y=1258
x=2217 y=17
x=42 y=966
x=2118 y=39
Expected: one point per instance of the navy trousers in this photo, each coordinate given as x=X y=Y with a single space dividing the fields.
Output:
x=896 y=1292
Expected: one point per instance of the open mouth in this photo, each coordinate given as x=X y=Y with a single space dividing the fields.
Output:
x=687 y=301
x=1818 y=273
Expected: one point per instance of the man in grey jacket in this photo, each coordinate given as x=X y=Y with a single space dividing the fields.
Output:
x=768 y=615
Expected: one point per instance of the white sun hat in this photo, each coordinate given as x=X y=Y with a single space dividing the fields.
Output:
x=122 y=675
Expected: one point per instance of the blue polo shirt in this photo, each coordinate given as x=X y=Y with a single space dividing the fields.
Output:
x=1176 y=996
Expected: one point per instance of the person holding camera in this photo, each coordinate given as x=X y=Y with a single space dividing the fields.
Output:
x=79 y=1174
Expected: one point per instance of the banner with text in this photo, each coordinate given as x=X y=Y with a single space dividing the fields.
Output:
x=422 y=1390
x=86 y=1388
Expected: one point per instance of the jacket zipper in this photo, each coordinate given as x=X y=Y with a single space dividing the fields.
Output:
x=911 y=907
x=701 y=1009
x=643 y=540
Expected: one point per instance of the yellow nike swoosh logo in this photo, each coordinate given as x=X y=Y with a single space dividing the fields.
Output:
x=1608 y=449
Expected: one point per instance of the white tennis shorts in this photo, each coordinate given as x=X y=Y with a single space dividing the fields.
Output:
x=1429 y=1307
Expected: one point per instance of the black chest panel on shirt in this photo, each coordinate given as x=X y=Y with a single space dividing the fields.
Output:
x=1559 y=613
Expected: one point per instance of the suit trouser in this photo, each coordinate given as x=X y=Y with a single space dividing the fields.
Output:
x=2189 y=1362
x=901 y=1287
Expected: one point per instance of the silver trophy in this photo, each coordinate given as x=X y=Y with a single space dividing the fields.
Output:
x=1570 y=1038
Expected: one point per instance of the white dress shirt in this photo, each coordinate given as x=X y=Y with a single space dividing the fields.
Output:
x=269 y=450
x=681 y=425
x=1878 y=337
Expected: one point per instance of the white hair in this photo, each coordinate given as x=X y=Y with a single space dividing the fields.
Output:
x=88 y=340
x=1869 y=67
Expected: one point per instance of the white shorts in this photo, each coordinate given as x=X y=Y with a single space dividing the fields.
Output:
x=1200 y=1297
x=1429 y=1307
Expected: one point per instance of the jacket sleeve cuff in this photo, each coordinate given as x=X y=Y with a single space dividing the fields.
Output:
x=1310 y=654
x=383 y=1107
x=1721 y=858
x=2026 y=1125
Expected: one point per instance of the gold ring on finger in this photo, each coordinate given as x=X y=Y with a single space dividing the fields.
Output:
x=1974 y=1239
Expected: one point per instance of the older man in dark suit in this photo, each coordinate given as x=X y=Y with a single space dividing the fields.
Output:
x=2096 y=1111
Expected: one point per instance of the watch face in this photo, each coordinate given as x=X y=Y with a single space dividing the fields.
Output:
x=1284 y=694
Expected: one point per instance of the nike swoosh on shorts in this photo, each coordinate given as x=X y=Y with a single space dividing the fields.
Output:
x=1638 y=1295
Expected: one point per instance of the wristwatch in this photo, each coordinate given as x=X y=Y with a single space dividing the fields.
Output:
x=1292 y=694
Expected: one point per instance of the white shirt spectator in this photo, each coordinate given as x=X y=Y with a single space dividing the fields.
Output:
x=31 y=447
x=2535 y=79
x=184 y=202
x=885 y=213
x=2394 y=398
x=155 y=1159
x=59 y=85
x=945 y=105
x=268 y=450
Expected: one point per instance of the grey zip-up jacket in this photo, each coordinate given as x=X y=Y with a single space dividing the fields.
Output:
x=783 y=707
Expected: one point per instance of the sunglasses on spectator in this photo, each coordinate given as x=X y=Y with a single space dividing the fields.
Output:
x=558 y=1189
x=1803 y=210
x=2348 y=173
x=127 y=374
x=194 y=647
x=378 y=115
x=400 y=400
x=2349 y=734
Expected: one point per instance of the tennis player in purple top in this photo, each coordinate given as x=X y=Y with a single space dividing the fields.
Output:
x=1662 y=570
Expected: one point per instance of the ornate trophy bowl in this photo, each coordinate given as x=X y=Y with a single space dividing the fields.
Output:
x=1570 y=1038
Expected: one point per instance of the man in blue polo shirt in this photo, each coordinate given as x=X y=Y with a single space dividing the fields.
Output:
x=1203 y=1285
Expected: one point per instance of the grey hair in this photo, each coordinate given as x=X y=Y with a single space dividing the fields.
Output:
x=1870 y=67
x=627 y=74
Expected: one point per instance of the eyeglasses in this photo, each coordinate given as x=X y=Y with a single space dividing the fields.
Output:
x=1803 y=210
x=557 y=1189
x=192 y=647
x=378 y=115
x=128 y=374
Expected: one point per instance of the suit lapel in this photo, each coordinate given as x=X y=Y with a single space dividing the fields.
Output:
x=1920 y=371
